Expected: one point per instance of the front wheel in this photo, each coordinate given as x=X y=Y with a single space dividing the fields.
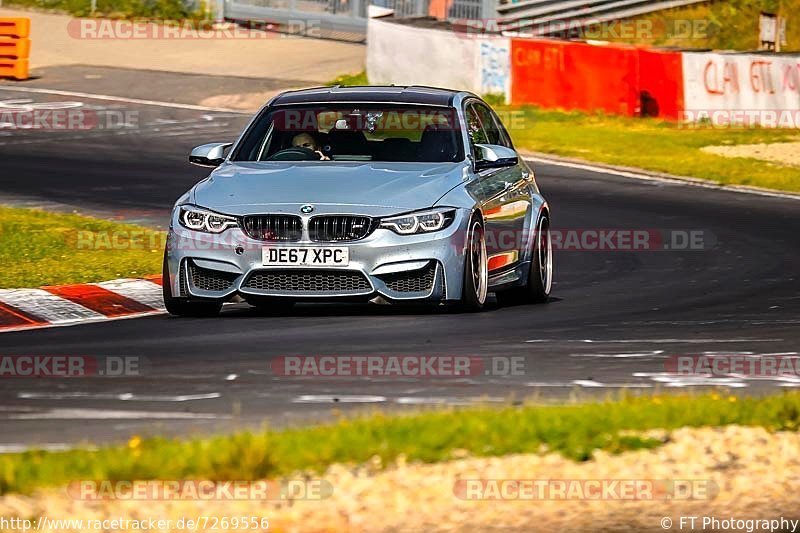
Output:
x=540 y=277
x=476 y=269
x=183 y=306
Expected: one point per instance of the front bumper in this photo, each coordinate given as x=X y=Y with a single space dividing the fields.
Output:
x=422 y=267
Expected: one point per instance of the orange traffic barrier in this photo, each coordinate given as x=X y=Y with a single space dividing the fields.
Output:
x=15 y=47
x=15 y=27
x=14 y=68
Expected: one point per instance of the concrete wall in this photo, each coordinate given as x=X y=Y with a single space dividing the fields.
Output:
x=749 y=88
x=403 y=55
x=724 y=88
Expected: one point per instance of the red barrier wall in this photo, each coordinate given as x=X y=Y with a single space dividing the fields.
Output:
x=588 y=77
x=661 y=79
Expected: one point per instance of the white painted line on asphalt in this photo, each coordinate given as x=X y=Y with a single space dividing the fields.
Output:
x=47 y=306
x=436 y=400
x=21 y=448
x=107 y=97
x=587 y=383
x=676 y=180
x=679 y=381
x=124 y=397
x=652 y=341
x=140 y=290
x=111 y=414
x=331 y=398
x=626 y=355
x=591 y=384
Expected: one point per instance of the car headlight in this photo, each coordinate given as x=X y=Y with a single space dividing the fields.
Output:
x=199 y=219
x=420 y=221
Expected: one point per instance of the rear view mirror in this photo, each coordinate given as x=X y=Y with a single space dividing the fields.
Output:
x=209 y=155
x=494 y=156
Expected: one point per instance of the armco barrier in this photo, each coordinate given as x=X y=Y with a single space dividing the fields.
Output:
x=15 y=47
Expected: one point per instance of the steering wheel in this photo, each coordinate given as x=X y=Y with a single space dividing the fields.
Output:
x=295 y=153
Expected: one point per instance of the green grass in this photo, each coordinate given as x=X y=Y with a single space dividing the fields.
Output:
x=572 y=430
x=40 y=248
x=651 y=144
x=121 y=9
x=350 y=79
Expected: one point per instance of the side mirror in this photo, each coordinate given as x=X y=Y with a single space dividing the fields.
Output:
x=209 y=155
x=494 y=156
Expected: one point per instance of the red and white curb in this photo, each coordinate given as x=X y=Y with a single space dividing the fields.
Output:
x=64 y=305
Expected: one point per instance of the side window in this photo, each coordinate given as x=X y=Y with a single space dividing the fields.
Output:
x=489 y=126
x=474 y=127
x=505 y=138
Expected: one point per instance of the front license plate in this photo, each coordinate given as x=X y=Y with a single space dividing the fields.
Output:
x=306 y=256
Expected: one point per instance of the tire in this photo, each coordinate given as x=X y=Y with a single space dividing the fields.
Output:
x=183 y=306
x=476 y=269
x=540 y=276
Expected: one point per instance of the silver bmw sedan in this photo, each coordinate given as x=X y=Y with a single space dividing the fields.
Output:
x=387 y=194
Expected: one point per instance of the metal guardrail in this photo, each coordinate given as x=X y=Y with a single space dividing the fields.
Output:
x=527 y=13
x=348 y=18
x=296 y=16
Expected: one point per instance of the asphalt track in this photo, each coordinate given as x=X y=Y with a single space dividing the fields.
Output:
x=616 y=318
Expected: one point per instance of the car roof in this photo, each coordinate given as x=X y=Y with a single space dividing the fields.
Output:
x=413 y=94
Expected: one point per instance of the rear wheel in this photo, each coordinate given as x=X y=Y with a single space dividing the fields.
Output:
x=476 y=269
x=540 y=277
x=183 y=306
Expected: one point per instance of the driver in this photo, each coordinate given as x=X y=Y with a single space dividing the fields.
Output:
x=306 y=140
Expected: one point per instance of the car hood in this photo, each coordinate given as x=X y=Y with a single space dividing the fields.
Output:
x=242 y=188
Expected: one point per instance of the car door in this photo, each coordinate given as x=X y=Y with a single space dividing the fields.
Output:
x=506 y=198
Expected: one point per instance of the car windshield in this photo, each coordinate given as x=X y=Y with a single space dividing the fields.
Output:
x=354 y=132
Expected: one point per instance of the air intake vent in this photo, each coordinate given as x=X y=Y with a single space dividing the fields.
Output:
x=319 y=282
